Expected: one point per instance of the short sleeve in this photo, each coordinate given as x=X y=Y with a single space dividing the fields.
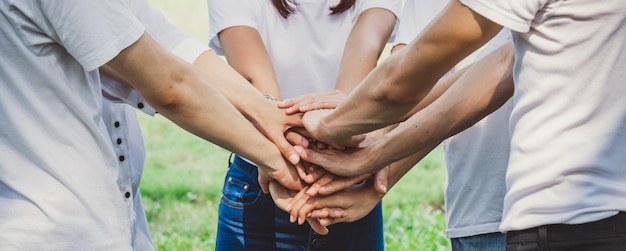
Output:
x=395 y=6
x=118 y=92
x=224 y=14
x=93 y=32
x=517 y=15
x=165 y=33
x=416 y=15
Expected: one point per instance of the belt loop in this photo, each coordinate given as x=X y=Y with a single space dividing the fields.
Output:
x=542 y=237
x=230 y=159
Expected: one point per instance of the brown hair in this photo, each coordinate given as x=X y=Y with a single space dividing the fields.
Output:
x=283 y=7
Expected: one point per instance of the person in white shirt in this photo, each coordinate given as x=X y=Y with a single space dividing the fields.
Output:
x=476 y=158
x=287 y=49
x=565 y=177
x=59 y=173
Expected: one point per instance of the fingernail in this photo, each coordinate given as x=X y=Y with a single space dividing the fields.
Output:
x=291 y=219
x=289 y=207
x=294 y=159
x=297 y=148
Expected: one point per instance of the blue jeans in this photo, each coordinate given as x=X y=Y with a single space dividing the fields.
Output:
x=482 y=242
x=249 y=220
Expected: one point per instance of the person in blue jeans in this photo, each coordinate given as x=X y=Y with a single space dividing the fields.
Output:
x=286 y=50
x=248 y=219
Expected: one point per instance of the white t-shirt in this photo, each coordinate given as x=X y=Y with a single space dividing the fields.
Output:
x=306 y=48
x=568 y=124
x=57 y=166
x=121 y=121
x=476 y=158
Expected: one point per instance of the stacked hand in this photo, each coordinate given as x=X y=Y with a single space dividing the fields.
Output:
x=337 y=183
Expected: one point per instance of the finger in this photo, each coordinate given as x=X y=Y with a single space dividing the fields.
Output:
x=286 y=148
x=340 y=184
x=298 y=201
x=296 y=139
x=264 y=181
x=301 y=131
x=328 y=213
x=315 y=173
x=302 y=173
x=295 y=120
x=297 y=103
x=323 y=181
x=317 y=226
x=316 y=105
x=380 y=180
x=280 y=195
x=291 y=101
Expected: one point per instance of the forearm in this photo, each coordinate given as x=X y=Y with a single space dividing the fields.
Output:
x=405 y=78
x=482 y=89
x=182 y=94
x=247 y=99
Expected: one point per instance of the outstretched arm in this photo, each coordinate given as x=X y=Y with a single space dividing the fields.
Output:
x=183 y=94
x=404 y=78
x=481 y=89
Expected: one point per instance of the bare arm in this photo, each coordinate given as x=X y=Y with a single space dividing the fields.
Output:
x=183 y=94
x=400 y=82
x=245 y=51
x=484 y=87
x=364 y=45
x=264 y=113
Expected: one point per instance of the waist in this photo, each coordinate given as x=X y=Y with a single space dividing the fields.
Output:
x=611 y=226
x=244 y=165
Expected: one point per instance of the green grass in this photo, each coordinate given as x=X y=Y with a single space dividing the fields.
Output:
x=184 y=175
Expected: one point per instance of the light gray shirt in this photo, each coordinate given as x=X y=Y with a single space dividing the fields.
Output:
x=57 y=166
x=476 y=158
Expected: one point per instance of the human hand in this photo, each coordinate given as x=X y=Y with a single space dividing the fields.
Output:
x=282 y=172
x=330 y=183
x=274 y=124
x=350 y=162
x=348 y=205
x=312 y=123
x=313 y=101
x=283 y=196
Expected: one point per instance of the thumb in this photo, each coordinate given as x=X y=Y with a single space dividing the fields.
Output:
x=287 y=150
x=381 y=181
x=264 y=182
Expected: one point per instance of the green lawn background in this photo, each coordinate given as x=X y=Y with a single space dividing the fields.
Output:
x=184 y=174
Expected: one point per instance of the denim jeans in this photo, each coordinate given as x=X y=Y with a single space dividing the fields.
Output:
x=604 y=235
x=249 y=220
x=482 y=242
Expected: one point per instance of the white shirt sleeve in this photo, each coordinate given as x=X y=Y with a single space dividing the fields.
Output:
x=416 y=15
x=228 y=13
x=394 y=6
x=166 y=35
x=93 y=32
x=516 y=15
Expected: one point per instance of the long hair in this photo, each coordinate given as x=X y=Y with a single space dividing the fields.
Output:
x=284 y=9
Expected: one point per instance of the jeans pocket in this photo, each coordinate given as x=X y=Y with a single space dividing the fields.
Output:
x=239 y=193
